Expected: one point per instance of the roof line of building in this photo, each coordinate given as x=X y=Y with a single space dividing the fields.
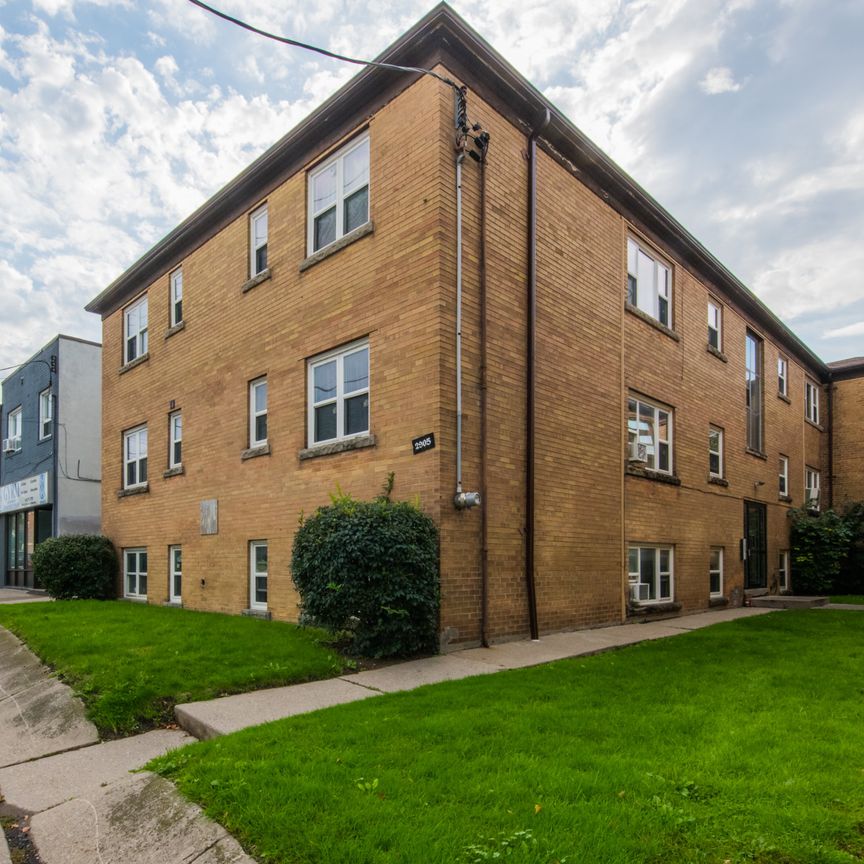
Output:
x=443 y=37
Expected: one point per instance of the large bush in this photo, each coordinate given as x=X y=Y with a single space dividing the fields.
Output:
x=850 y=580
x=371 y=568
x=820 y=545
x=80 y=566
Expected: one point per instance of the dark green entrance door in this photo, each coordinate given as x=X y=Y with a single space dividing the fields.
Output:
x=756 y=550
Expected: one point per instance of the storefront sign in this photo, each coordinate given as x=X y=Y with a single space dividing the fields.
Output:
x=25 y=494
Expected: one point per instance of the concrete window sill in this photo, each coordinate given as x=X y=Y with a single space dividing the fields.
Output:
x=784 y=499
x=180 y=325
x=134 y=599
x=253 y=452
x=715 y=602
x=264 y=614
x=757 y=453
x=784 y=397
x=718 y=481
x=357 y=443
x=143 y=489
x=642 y=610
x=814 y=425
x=648 y=474
x=249 y=284
x=173 y=472
x=644 y=316
x=715 y=352
x=133 y=363
x=337 y=246
x=172 y=604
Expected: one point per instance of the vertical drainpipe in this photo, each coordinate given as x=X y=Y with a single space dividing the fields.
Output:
x=532 y=373
x=484 y=511
x=460 y=158
x=830 y=395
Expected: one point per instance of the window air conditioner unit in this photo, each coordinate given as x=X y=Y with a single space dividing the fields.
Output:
x=16 y=443
x=638 y=452
x=640 y=591
x=8 y=445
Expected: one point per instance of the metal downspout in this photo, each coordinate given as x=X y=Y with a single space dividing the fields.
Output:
x=531 y=372
x=460 y=158
x=484 y=510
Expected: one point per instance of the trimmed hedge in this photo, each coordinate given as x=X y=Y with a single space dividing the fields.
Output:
x=820 y=546
x=370 y=568
x=82 y=566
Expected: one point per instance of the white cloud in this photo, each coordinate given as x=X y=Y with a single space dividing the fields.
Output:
x=719 y=80
x=856 y=329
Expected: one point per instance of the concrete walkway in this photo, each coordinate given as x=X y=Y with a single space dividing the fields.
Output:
x=84 y=806
x=20 y=595
x=231 y=713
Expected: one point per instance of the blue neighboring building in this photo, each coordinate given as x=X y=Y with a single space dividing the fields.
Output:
x=50 y=461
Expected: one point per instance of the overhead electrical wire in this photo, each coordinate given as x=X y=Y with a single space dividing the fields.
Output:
x=297 y=44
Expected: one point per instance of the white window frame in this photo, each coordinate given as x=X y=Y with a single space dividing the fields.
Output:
x=656 y=441
x=14 y=427
x=341 y=396
x=176 y=297
x=811 y=401
x=718 y=571
x=253 y=602
x=634 y=577
x=46 y=414
x=783 y=376
x=783 y=570
x=137 y=573
x=337 y=159
x=175 y=573
x=132 y=317
x=175 y=438
x=256 y=217
x=254 y=414
x=812 y=483
x=754 y=392
x=717 y=325
x=718 y=453
x=139 y=458
x=783 y=476
x=650 y=300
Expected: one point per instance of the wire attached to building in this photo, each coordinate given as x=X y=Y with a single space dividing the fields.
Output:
x=297 y=44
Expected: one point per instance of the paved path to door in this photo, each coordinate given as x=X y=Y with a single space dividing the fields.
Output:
x=83 y=805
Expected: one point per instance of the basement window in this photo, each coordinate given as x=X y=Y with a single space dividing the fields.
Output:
x=650 y=573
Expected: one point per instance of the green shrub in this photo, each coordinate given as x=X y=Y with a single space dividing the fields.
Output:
x=820 y=544
x=82 y=566
x=371 y=568
x=851 y=577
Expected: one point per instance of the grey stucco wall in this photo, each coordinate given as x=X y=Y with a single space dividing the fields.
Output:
x=79 y=437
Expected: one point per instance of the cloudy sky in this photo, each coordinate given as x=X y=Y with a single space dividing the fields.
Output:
x=744 y=118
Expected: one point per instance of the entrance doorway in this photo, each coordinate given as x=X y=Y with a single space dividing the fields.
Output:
x=756 y=540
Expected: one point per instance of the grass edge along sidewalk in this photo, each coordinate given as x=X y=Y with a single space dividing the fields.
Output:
x=742 y=743
x=131 y=663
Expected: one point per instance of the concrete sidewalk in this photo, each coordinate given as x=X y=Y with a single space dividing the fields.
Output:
x=231 y=713
x=21 y=595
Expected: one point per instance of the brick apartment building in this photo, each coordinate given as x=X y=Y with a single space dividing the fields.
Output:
x=637 y=423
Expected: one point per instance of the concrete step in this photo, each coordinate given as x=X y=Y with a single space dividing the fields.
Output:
x=787 y=601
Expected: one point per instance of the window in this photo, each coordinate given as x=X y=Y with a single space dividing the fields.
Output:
x=715 y=325
x=339 y=195
x=175 y=573
x=135 y=457
x=649 y=283
x=46 y=414
x=339 y=394
x=715 y=572
x=782 y=376
x=811 y=401
x=14 y=424
x=135 y=323
x=811 y=488
x=754 y=392
x=258 y=574
x=783 y=570
x=650 y=426
x=258 y=241
x=783 y=487
x=650 y=573
x=175 y=440
x=715 y=451
x=135 y=572
x=258 y=413
x=176 y=299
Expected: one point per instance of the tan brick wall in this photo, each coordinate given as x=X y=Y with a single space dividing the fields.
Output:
x=848 y=440
x=396 y=286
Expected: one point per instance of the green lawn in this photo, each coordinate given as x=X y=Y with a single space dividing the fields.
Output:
x=740 y=743
x=857 y=599
x=132 y=663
